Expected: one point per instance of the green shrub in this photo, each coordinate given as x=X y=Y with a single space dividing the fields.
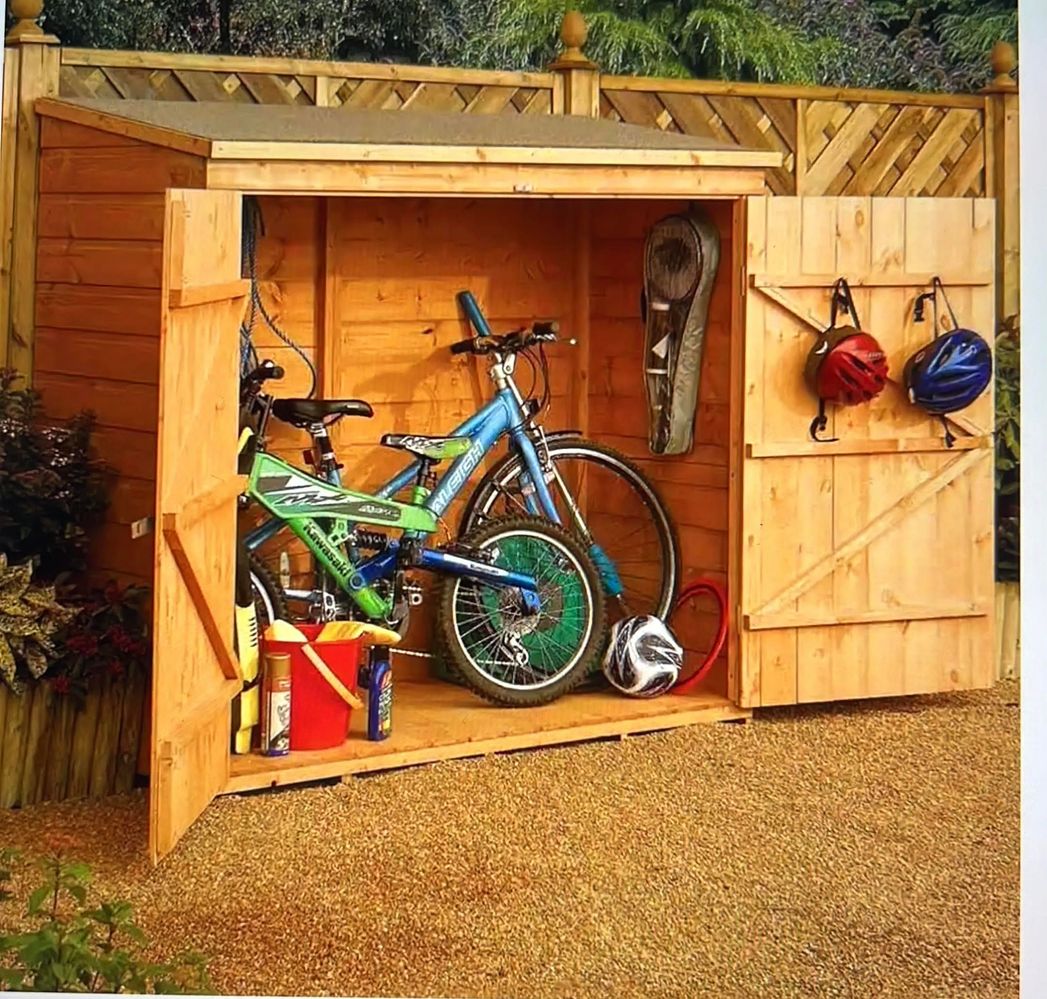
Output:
x=51 y=489
x=73 y=946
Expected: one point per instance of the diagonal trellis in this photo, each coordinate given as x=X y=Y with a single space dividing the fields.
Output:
x=754 y=122
x=829 y=147
x=856 y=148
x=144 y=83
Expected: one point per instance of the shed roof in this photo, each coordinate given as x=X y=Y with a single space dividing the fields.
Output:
x=220 y=130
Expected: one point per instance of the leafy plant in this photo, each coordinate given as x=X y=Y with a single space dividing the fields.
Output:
x=51 y=489
x=30 y=620
x=1008 y=448
x=107 y=636
x=911 y=44
x=72 y=946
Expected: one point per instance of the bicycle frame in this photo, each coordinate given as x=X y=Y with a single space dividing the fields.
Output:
x=297 y=506
x=503 y=414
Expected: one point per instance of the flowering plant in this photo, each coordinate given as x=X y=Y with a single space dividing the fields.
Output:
x=108 y=637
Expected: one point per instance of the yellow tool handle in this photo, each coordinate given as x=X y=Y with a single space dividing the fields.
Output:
x=325 y=671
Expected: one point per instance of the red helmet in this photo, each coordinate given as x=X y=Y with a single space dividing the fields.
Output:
x=846 y=367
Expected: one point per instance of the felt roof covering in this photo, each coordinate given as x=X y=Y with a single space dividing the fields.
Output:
x=219 y=130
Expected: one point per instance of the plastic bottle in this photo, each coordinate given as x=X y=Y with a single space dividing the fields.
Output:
x=276 y=705
x=379 y=694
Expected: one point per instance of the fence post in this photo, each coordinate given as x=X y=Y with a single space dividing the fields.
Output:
x=31 y=70
x=1002 y=96
x=576 y=87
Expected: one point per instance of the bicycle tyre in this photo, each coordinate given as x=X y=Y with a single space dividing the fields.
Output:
x=269 y=596
x=509 y=468
x=586 y=648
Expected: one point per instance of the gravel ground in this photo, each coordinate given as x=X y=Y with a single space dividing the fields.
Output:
x=852 y=850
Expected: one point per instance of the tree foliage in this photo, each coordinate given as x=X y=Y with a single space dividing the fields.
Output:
x=911 y=44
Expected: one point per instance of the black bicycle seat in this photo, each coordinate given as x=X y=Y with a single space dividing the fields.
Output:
x=306 y=412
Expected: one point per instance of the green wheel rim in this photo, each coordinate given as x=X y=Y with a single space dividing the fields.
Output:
x=553 y=639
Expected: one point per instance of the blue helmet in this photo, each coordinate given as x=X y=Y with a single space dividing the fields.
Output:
x=949 y=373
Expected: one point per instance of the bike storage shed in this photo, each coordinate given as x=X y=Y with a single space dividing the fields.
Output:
x=856 y=568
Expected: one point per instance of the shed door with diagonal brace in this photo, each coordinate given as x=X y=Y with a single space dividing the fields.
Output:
x=866 y=565
x=195 y=672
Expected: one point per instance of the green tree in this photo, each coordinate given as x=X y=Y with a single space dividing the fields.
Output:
x=906 y=44
x=730 y=39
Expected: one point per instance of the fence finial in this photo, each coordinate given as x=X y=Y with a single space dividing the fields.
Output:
x=27 y=12
x=1003 y=60
x=573 y=33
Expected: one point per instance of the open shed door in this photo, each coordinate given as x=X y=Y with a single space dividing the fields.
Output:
x=195 y=673
x=866 y=565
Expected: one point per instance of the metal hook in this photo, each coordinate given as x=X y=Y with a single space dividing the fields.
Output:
x=818 y=424
x=918 y=306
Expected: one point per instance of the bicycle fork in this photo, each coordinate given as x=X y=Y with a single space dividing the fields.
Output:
x=604 y=564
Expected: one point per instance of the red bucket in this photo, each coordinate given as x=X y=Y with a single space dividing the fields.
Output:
x=319 y=716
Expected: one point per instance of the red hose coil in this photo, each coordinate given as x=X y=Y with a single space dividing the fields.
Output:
x=720 y=596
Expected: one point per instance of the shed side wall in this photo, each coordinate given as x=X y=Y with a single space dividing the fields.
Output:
x=99 y=259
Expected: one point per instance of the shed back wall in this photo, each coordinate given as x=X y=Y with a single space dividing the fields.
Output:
x=367 y=287
x=694 y=485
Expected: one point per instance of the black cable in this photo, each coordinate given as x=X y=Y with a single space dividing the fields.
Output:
x=254 y=222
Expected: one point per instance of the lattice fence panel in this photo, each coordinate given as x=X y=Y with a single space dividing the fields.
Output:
x=753 y=122
x=393 y=95
x=856 y=148
x=143 y=83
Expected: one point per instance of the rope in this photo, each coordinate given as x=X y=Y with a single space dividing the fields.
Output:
x=254 y=224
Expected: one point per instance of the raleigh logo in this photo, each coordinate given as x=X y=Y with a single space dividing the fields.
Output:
x=462 y=469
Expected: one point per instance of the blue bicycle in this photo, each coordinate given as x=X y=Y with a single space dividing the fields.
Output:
x=598 y=494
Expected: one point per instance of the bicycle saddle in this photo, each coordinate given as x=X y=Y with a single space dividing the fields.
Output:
x=433 y=448
x=305 y=412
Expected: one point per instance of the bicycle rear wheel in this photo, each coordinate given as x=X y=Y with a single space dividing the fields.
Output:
x=608 y=502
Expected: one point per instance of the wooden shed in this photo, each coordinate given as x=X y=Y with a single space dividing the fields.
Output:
x=857 y=568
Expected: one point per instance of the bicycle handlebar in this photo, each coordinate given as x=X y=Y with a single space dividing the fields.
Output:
x=511 y=343
x=266 y=371
x=472 y=310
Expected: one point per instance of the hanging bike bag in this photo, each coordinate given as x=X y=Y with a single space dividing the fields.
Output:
x=681 y=256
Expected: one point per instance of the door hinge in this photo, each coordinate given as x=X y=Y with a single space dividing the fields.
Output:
x=143 y=526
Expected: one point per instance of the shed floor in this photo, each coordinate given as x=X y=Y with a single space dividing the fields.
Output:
x=435 y=721
x=853 y=850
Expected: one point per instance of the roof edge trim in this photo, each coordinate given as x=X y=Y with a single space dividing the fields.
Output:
x=130 y=128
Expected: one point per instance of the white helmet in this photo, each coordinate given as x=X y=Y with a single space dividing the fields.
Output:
x=643 y=659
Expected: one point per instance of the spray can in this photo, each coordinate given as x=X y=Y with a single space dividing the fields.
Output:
x=276 y=705
x=379 y=694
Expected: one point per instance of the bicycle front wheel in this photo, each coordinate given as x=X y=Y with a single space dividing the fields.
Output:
x=505 y=653
x=611 y=505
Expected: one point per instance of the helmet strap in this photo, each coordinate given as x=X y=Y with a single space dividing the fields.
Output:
x=949 y=438
x=842 y=299
x=937 y=286
x=819 y=423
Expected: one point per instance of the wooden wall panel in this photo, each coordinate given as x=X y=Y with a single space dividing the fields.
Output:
x=98 y=307
x=694 y=485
